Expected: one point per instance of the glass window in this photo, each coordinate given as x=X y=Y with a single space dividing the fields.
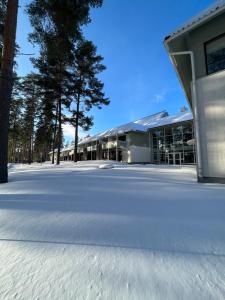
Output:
x=168 y=142
x=189 y=158
x=177 y=129
x=187 y=128
x=215 y=55
x=168 y=131
x=155 y=143
x=122 y=138
x=156 y=156
x=158 y=133
x=187 y=137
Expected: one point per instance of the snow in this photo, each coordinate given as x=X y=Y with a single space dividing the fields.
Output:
x=75 y=231
x=106 y=166
x=138 y=125
x=177 y=118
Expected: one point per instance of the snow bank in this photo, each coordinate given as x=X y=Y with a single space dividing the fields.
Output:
x=106 y=166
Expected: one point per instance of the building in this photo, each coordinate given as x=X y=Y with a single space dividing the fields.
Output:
x=197 y=51
x=158 y=138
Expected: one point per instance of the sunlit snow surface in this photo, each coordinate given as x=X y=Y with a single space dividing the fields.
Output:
x=131 y=232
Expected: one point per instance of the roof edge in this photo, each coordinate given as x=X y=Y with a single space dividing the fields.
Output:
x=198 y=20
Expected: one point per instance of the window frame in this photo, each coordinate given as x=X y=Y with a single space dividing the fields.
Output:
x=205 y=45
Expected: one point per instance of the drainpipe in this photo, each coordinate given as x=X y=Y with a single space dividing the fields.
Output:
x=108 y=148
x=195 y=110
x=117 y=147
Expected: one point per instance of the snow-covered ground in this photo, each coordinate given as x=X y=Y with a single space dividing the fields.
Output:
x=131 y=232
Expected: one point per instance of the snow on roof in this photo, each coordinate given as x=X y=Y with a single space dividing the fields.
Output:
x=142 y=125
x=211 y=11
x=180 y=117
x=138 y=125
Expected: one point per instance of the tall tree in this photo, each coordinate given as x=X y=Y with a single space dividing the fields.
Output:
x=29 y=90
x=15 y=123
x=48 y=109
x=2 y=21
x=86 y=87
x=6 y=83
x=56 y=26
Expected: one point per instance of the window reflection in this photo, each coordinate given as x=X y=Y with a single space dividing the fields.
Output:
x=215 y=54
x=170 y=144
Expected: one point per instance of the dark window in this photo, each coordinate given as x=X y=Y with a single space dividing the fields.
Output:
x=187 y=128
x=215 y=54
x=168 y=131
x=122 y=138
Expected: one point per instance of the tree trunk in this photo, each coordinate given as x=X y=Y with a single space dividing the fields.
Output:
x=6 y=84
x=54 y=134
x=76 y=130
x=59 y=132
x=30 y=150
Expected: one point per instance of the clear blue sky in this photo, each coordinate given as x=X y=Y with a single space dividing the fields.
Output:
x=129 y=34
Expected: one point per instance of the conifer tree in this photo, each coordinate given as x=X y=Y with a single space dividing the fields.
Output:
x=86 y=87
x=56 y=26
x=15 y=123
x=29 y=90
x=6 y=83
x=2 y=21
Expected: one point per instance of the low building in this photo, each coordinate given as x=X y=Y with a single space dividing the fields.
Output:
x=197 y=51
x=157 y=138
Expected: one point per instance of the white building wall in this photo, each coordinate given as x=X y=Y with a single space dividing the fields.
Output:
x=136 y=154
x=211 y=111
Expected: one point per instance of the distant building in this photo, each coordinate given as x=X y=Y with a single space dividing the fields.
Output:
x=197 y=51
x=158 y=138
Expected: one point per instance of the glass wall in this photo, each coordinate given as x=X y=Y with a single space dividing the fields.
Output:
x=174 y=144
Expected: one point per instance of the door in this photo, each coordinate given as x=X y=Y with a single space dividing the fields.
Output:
x=177 y=158
x=174 y=158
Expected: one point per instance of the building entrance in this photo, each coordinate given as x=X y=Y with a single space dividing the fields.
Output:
x=174 y=158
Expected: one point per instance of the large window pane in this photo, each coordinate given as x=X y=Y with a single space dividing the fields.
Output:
x=215 y=55
x=187 y=128
x=155 y=143
x=168 y=143
x=177 y=129
x=158 y=133
x=189 y=157
x=122 y=138
x=187 y=137
x=168 y=131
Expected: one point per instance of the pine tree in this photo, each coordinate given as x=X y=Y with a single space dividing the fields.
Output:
x=44 y=137
x=86 y=87
x=15 y=123
x=2 y=21
x=6 y=83
x=29 y=90
x=56 y=26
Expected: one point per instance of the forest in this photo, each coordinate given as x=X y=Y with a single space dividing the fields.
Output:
x=62 y=87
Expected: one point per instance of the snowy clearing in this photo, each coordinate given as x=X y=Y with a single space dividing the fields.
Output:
x=131 y=232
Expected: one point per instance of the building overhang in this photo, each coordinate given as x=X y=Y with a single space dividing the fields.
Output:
x=177 y=42
x=202 y=18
